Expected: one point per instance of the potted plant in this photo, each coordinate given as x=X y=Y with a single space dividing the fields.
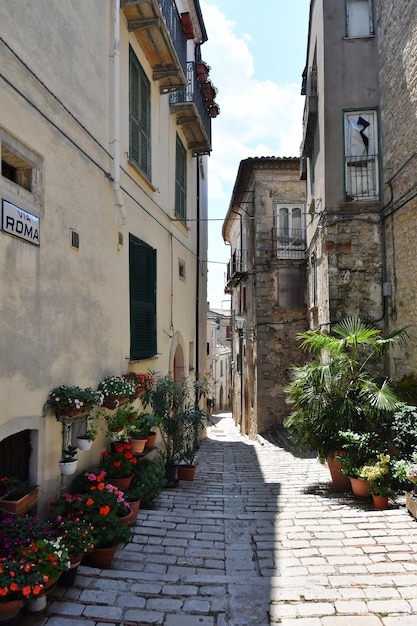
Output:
x=69 y=461
x=140 y=381
x=137 y=432
x=118 y=421
x=118 y=465
x=73 y=401
x=379 y=476
x=50 y=557
x=101 y=507
x=336 y=390
x=17 y=496
x=116 y=390
x=149 y=480
x=167 y=399
x=203 y=70
x=133 y=497
x=214 y=110
x=77 y=535
x=85 y=441
x=16 y=532
x=147 y=430
x=359 y=450
x=194 y=422
x=19 y=581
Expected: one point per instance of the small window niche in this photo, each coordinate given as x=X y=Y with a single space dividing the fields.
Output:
x=181 y=270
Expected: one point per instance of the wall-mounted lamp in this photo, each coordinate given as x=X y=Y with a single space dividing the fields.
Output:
x=240 y=323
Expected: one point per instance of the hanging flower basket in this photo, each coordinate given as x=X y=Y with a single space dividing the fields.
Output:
x=202 y=71
x=214 y=110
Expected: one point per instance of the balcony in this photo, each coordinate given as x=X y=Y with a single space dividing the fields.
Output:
x=190 y=107
x=237 y=269
x=290 y=243
x=158 y=28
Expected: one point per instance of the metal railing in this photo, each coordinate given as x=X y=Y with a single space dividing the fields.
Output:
x=362 y=177
x=193 y=93
x=290 y=243
x=173 y=23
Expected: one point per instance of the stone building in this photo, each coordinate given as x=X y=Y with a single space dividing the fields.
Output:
x=265 y=228
x=397 y=73
x=219 y=357
x=341 y=164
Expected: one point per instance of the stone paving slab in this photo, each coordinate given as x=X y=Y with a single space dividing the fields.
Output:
x=258 y=539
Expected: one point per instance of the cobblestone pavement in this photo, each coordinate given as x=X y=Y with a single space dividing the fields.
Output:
x=258 y=538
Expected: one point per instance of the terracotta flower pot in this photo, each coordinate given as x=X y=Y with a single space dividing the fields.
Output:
x=130 y=519
x=102 y=557
x=360 y=487
x=151 y=440
x=339 y=480
x=186 y=472
x=137 y=446
x=11 y=609
x=23 y=505
x=380 y=502
x=121 y=483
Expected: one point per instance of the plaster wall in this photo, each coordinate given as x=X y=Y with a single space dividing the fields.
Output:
x=65 y=312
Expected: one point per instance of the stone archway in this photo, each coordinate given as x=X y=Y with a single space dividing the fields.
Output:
x=177 y=357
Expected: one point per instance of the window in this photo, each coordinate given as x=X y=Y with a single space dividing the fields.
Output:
x=290 y=235
x=139 y=116
x=291 y=287
x=361 y=156
x=180 y=181
x=181 y=269
x=359 y=18
x=142 y=279
x=20 y=166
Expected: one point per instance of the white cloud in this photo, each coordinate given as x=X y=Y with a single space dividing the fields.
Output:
x=258 y=118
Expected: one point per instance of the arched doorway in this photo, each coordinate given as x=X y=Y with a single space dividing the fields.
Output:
x=177 y=366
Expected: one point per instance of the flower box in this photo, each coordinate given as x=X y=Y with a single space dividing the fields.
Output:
x=21 y=506
x=411 y=503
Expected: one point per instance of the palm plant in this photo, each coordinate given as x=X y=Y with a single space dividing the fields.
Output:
x=336 y=390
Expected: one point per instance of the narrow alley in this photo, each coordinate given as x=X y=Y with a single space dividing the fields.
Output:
x=258 y=538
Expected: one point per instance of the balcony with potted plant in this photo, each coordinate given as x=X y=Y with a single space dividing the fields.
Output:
x=116 y=391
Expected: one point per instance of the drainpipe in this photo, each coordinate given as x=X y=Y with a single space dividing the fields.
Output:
x=197 y=285
x=119 y=204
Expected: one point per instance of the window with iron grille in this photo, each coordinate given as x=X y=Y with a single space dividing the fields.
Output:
x=361 y=156
x=180 y=181
x=142 y=279
x=139 y=116
x=290 y=231
x=359 y=18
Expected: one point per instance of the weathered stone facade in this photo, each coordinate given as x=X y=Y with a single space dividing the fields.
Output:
x=397 y=49
x=264 y=292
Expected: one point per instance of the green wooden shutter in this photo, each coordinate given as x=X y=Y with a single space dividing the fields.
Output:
x=139 y=116
x=180 y=181
x=142 y=267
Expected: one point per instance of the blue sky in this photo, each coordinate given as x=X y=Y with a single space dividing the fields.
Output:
x=257 y=55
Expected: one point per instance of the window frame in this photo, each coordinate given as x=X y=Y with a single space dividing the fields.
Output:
x=370 y=153
x=290 y=245
x=371 y=21
x=142 y=299
x=180 y=180
x=140 y=154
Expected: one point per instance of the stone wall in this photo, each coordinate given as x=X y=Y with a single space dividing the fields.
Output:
x=397 y=47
